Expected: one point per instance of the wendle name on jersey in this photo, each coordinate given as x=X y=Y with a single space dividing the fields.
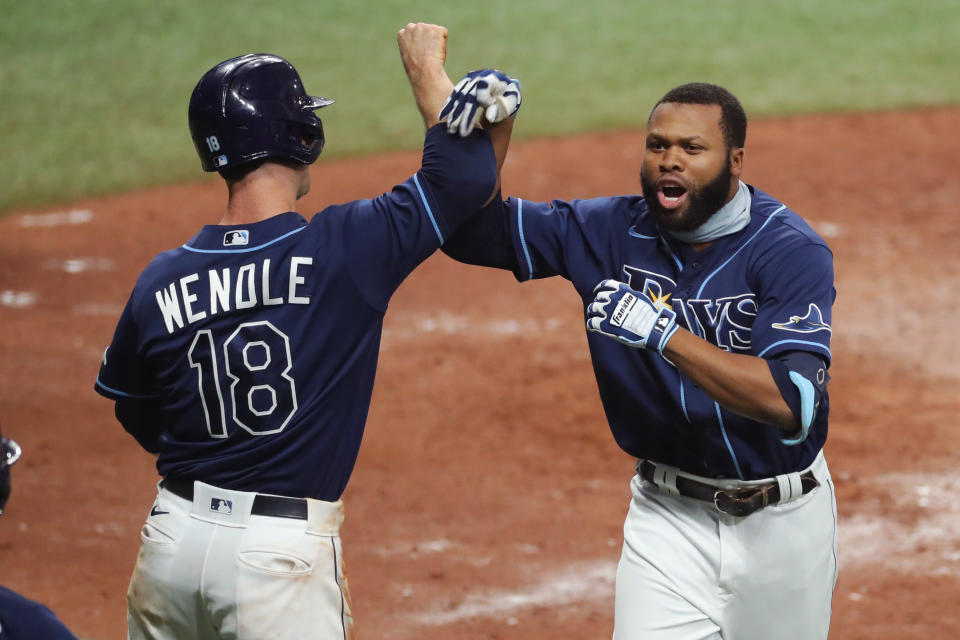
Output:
x=179 y=300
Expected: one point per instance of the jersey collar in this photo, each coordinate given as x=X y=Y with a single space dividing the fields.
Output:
x=242 y=238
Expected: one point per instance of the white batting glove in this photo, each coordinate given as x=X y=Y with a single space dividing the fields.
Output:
x=486 y=92
x=630 y=317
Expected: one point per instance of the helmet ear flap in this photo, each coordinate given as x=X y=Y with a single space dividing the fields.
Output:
x=310 y=138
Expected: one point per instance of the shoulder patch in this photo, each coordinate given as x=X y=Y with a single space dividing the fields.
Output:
x=810 y=323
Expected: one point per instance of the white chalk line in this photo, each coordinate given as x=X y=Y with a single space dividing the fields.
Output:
x=581 y=582
x=26 y=299
x=445 y=323
x=80 y=265
x=17 y=299
x=97 y=309
x=56 y=218
x=417 y=549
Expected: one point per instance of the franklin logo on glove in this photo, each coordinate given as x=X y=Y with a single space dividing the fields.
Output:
x=631 y=317
x=624 y=308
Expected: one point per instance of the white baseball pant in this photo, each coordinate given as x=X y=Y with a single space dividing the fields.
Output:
x=209 y=569
x=690 y=572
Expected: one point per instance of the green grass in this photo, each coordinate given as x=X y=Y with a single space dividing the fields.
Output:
x=93 y=93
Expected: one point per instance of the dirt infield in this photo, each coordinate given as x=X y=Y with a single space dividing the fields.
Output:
x=489 y=496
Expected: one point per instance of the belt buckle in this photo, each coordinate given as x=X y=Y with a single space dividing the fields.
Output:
x=741 y=501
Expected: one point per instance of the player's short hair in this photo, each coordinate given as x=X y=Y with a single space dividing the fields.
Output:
x=733 y=119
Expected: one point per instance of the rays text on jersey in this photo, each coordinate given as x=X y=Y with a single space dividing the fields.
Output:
x=192 y=298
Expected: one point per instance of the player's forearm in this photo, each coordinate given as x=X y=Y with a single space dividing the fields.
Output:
x=430 y=90
x=740 y=383
x=500 y=134
x=423 y=50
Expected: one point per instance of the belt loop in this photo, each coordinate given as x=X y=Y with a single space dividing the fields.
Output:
x=791 y=487
x=666 y=479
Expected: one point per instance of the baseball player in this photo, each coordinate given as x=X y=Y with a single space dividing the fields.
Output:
x=708 y=307
x=245 y=358
x=21 y=618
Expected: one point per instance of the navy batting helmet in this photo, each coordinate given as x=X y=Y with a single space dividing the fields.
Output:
x=254 y=107
x=9 y=453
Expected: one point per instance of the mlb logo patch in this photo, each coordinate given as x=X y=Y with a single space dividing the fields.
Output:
x=236 y=238
x=219 y=161
x=221 y=505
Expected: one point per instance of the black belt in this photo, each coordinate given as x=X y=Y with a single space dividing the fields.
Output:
x=736 y=502
x=263 y=505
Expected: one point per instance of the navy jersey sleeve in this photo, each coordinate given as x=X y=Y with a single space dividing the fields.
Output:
x=125 y=377
x=541 y=239
x=21 y=619
x=387 y=237
x=123 y=372
x=795 y=302
x=484 y=240
x=560 y=238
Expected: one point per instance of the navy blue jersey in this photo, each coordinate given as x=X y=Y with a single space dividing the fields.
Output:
x=763 y=291
x=23 y=619
x=246 y=357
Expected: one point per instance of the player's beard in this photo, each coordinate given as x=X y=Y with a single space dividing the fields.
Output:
x=702 y=201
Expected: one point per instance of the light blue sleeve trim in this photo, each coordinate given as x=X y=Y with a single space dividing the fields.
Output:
x=121 y=393
x=683 y=397
x=807 y=398
x=666 y=338
x=808 y=343
x=523 y=242
x=734 y=255
x=723 y=432
x=248 y=249
x=427 y=207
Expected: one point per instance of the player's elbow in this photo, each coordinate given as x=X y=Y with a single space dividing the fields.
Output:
x=469 y=191
x=461 y=172
x=479 y=189
x=786 y=422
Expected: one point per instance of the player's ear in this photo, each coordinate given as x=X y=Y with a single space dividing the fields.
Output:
x=736 y=161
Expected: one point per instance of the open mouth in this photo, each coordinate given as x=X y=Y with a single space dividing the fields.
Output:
x=671 y=195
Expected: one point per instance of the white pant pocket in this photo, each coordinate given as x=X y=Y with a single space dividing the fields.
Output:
x=278 y=563
x=155 y=535
x=282 y=595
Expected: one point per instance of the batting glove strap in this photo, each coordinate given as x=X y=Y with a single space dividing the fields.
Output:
x=632 y=318
x=484 y=92
x=664 y=326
